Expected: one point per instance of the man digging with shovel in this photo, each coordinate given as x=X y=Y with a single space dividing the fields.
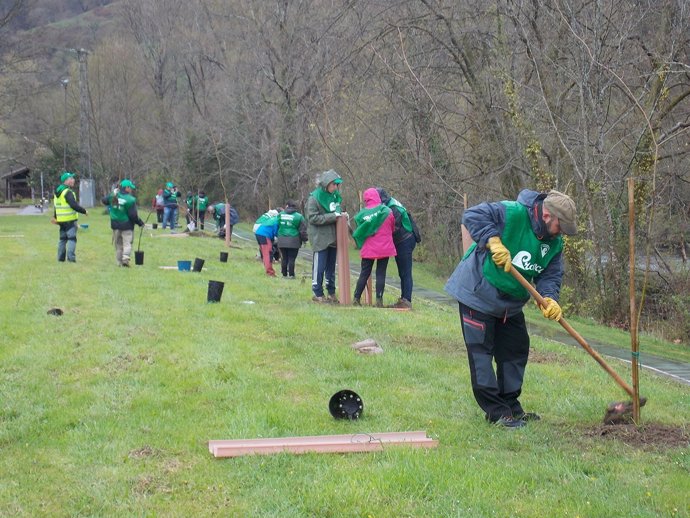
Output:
x=526 y=235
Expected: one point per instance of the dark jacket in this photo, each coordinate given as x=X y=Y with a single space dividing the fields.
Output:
x=400 y=233
x=467 y=283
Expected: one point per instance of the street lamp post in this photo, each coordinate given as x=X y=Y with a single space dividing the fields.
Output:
x=64 y=82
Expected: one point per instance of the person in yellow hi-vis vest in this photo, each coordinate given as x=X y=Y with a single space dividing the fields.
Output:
x=67 y=212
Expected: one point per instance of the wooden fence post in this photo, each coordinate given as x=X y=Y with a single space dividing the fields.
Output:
x=343 y=259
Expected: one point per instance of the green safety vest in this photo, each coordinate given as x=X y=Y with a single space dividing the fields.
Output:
x=120 y=211
x=528 y=254
x=63 y=212
x=288 y=224
x=406 y=223
x=202 y=203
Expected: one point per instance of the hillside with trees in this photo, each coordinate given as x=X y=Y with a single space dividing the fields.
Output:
x=434 y=100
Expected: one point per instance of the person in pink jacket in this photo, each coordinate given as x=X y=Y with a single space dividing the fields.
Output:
x=374 y=238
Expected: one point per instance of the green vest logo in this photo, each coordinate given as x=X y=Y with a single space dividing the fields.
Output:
x=544 y=249
x=523 y=260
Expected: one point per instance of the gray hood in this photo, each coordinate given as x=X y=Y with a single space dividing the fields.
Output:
x=327 y=177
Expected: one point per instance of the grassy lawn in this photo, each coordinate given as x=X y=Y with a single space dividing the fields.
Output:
x=106 y=410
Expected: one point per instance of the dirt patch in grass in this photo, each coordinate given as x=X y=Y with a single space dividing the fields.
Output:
x=428 y=344
x=649 y=436
x=536 y=356
x=143 y=452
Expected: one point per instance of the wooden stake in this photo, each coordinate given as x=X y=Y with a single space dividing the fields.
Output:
x=343 y=259
x=228 y=234
x=361 y=442
x=467 y=240
x=367 y=292
x=634 y=343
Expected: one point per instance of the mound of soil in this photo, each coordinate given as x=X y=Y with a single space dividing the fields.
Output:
x=647 y=436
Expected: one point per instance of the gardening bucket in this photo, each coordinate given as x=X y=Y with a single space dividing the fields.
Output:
x=223 y=257
x=154 y=226
x=198 y=264
x=184 y=266
x=215 y=291
x=346 y=404
x=139 y=257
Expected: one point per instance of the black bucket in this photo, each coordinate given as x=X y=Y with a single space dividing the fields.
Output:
x=139 y=257
x=346 y=404
x=198 y=264
x=154 y=226
x=215 y=291
x=223 y=257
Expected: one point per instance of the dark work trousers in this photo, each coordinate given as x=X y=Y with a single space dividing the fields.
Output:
x=324 y=266
x=365 y=272
x=202 y=218
x=287 y=261
x=505 y=340
x=403 y=259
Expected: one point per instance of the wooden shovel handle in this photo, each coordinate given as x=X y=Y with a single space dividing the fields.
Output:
x=540 y=300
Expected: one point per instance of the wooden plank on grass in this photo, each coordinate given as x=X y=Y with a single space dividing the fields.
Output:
x=347 y=443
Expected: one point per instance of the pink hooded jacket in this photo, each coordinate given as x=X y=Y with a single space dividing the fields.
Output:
x=381 y=244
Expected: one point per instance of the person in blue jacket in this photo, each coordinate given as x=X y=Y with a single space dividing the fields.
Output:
x=266 y=230
x=526 y=235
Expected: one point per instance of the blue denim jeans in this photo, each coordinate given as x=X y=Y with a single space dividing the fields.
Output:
x=404 y=250
x=324 y=266
x=170 y=216
x=67 y=245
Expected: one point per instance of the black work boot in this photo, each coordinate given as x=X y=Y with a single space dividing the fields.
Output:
x=356 y=301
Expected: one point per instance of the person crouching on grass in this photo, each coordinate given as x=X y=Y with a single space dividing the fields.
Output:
x=123 y=216
x=374 y=238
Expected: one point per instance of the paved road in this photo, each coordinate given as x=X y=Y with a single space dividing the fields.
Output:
x=679 y=371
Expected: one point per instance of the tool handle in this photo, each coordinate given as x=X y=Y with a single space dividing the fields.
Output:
x=540 y=300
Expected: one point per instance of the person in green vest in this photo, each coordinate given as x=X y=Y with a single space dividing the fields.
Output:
x=122 y=207
x=374 y=239
x=189 y=205
x=217 y=210
x=265 y=231
x=170 y=197
x=527 y=235
x=200 y=204
x=323 y=210
x=292 y=232
x=66 y=214
x=406 y=235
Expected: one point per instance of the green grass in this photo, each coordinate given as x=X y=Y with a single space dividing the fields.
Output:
x=106 y=410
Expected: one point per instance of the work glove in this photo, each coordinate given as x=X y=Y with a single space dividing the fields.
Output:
x=551 y=309
x=499 y=253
